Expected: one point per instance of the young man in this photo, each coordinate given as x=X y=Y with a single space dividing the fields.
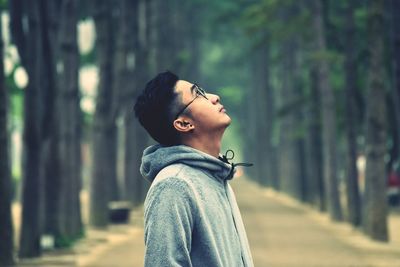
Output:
x=191 y=214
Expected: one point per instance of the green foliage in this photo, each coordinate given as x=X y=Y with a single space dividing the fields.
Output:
x=224 y=64
x=14 y=187
x=16 y=99
x=279 y=20
x=184 y=56
x=89 y=58
x=231 y=94
x=326 y=56
x=17 y=107
x=293 y=107
x=85 y=8
x=337 y=77
x=3 y=4
x=62 y=241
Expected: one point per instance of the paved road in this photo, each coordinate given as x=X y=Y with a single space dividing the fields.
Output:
x=282 y=233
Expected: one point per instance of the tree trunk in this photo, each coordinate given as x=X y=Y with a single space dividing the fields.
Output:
x=128 y=59
x=315 y=185
x=395 y=45
x=289 y=161
x=104 y=126
x=375 y=213
x=143 y=75
x=353 y=194
x=193 y=16
x=249 y=125
x=165 y=41
x=30 y=51
x=49 y=11
x=69 y=123
x=328 y=119
x=136 y=136
x=263 y=117
x=6 y=227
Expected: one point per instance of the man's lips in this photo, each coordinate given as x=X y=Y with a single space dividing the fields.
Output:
x=222 y=109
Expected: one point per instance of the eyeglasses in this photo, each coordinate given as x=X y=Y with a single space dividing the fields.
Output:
x=199 y=92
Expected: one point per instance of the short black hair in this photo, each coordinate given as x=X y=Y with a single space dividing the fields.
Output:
x=156 y=107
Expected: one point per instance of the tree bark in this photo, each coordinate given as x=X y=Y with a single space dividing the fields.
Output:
x=395 y=45
x=49 y=11
x=69 y=123
x=328 y=119
x=165 y=54
x=261 y=117
x=375 y=212
x=352 y=188
x=104 y=126
x=6 y=226
x=192 y=20
x=135 y=136
x=129 y=56
x=289 y=159
x=315 y=185
x=30 y=51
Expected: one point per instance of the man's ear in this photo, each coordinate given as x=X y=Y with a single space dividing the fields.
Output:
x=183 y=125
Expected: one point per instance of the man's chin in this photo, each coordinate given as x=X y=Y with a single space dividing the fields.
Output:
x=228 y=121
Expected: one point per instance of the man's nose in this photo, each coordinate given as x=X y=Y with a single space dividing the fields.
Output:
x=213 y=98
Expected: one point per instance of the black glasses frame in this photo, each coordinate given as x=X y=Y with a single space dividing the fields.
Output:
x=199 y=92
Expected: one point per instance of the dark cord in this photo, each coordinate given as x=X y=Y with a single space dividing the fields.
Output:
x=229 y=155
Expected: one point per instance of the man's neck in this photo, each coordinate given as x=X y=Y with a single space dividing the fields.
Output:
x=210 y=144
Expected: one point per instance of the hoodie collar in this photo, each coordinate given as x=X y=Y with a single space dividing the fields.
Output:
x=157 y=157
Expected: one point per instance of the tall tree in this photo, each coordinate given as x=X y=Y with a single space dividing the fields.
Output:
x=69 y=122
x=130 y=69
x=25 y=28
x=162 y=25
x=395 y=50
x=49 y=12
x=6 y=227
x=261 y=105
x=315 y=185
x=353 y=194
x=375 y=212
x=328 y=116
x=104 y=121
x=143 y=71
x=289 y=163
x=191 y=21
x=169 y=35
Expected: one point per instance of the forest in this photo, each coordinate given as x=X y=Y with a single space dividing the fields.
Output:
x=312 y=86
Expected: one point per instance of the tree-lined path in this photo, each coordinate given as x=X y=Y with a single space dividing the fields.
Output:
x=282 y=233
x=312 y=88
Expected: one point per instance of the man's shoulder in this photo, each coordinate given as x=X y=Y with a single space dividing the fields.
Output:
x=172 y=171
x=189 y=181
x=171 y=186
x=174 y=175
x=178 y=171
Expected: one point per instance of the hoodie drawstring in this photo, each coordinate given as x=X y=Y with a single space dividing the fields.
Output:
x=226 y=159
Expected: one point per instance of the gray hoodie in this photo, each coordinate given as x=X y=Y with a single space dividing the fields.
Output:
x=191 y=214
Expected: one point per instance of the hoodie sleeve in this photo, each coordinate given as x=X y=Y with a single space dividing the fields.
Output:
x=169 y=220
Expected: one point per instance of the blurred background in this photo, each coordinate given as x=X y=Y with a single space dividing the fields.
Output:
x=312 y=86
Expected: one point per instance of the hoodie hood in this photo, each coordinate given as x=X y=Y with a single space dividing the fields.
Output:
x=157 y=157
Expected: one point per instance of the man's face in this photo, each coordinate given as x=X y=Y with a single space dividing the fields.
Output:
x=205 y=114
